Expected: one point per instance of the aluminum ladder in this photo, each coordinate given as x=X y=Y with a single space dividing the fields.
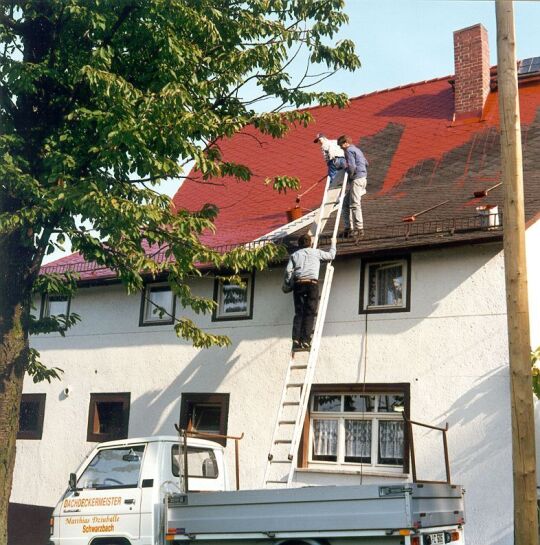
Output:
x=301 y=368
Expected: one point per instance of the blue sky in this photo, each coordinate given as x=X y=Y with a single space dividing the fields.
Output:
x=404 y=41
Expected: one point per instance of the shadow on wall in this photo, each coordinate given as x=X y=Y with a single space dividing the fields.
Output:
x=204 y=374
x=20 y=532
x=482 y=461
x=484 y=404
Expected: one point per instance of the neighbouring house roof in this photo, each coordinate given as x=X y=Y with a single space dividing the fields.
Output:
x=418 y=157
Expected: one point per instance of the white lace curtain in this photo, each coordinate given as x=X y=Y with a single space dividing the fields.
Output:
x=358 y=438
x=325 y=434
x=390 y=440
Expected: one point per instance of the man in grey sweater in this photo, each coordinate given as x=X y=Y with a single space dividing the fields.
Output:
x=357 y=171
x=303 y=269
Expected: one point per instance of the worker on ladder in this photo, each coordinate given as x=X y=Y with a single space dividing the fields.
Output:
x=334 y=157
x=302 y=275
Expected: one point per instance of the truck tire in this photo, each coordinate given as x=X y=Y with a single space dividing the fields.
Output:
x=110 y=541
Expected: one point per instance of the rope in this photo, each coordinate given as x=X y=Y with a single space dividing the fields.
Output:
x=364 y=385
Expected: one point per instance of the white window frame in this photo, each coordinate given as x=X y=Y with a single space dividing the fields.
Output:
x=367 y=266
x=45 y=309
x=341 y=416
x=146 y=303
x=219 y=313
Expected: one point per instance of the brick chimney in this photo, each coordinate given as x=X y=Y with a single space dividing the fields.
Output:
x=471 y=61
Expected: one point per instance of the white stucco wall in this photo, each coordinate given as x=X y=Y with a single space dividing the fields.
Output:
x=451 y=347
x=532 y=239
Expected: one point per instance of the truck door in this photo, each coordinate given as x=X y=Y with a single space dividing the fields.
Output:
x=106 y=501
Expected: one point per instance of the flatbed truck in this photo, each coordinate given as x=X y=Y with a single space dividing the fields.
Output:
x=131 y=492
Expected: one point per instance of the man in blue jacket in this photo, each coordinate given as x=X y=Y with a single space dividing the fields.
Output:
x=302 y=273
x=357 y=171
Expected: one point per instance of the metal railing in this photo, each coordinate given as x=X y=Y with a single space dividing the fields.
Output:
x=410 y=424
x=383 y=233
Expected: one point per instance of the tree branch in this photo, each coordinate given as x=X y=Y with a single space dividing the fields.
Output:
x=124 y=14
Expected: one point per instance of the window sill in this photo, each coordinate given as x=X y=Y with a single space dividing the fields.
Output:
x=366 y=472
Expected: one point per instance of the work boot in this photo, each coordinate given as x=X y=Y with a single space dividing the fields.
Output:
x=306 y=347
x=296 y=346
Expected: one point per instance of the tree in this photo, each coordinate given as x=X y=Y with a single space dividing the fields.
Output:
x=99 y=103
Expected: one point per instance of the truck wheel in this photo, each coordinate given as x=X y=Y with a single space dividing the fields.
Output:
x=304 y=542
x=110 y=541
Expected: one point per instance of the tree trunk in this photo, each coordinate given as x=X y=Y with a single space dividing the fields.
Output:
x=14 y=346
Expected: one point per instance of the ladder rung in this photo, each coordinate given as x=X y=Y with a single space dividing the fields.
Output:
x=277 y=482
x=295 y=385
x=298 y=366
x=287 y=422
x=282 y=442
x=291 y=403
x=280 y=461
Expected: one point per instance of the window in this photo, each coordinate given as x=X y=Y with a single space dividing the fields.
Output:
x=234 y=302
x=108 y=417
x=349 y=425
x=54 y=305
x=157 y=305
x=31 y=415
x=118 y=467
x=206 y=413
x=201 y=462
x=385 y=285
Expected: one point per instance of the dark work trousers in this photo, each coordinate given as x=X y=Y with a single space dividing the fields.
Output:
x=306 y=299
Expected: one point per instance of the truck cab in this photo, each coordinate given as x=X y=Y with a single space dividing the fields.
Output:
x=116 y=497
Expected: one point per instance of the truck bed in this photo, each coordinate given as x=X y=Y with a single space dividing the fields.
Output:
x=324 y=510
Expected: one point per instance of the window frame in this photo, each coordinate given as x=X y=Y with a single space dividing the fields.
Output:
x=304 y=451
x=364 y=289
x=159 y=286
x=218 y=283
x=189 y=400
x=44 y=310
x=125 y=399
x=36 y=434
x=192 y=450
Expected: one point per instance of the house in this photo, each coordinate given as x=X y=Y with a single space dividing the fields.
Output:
x=437 y=347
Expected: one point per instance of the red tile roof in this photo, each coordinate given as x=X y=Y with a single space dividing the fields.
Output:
x=418 y=157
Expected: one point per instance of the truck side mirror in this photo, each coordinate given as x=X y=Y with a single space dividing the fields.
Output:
x=72 y=481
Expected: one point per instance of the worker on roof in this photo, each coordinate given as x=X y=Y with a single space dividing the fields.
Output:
x=302 y=278
x=357 y=170
x=334 y=157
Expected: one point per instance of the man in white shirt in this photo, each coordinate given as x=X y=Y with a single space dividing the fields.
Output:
x=334 y=157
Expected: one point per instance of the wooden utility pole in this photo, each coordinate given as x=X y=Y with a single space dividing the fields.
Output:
x=523 y=444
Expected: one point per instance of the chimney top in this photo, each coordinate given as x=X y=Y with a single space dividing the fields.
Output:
x=471 y=61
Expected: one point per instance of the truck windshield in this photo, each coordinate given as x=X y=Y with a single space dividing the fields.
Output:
x=113 y=468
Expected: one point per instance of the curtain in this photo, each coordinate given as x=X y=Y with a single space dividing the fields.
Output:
x=385 y=285
x=390 y=285
x=358 y=438
x=325 y=437
x=390 y=441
